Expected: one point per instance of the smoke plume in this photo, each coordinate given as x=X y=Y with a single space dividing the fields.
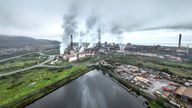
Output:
x=69 y=26
x=95 y=19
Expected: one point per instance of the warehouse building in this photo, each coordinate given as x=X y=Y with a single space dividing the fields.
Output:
x=185 y=93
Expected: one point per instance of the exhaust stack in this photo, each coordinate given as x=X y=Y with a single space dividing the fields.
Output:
x=179 y=45
x=99 y=38
x=71 y=42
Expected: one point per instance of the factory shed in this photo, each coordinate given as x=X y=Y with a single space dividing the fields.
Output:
x=185 y=93
x=141 y=79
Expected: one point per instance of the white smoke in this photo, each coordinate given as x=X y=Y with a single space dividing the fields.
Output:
x=91 y=45
x=117 y=17
x=42 y=17
x=79 y=28
x=122 y=46
x=70 y=26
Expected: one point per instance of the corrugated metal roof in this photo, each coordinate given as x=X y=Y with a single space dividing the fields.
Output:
x=188 y=92
x=181 y=90
x=184 y=91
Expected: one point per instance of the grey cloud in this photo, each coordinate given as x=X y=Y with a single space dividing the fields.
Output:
x=112 y=16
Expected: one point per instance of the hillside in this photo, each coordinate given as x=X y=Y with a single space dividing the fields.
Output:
x=20 y=41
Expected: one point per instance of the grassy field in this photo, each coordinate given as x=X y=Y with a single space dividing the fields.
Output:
x=19 y=85
x=51 y=52
x=21 y=62
x=153 y=104
x=62 y=63
x=180 y=69
x=59 y=63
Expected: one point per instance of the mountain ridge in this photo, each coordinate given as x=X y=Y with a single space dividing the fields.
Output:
x=7 y=41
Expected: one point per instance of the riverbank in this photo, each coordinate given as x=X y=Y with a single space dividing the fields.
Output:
x=37 y=94
x=91 y=90
x=153 y=101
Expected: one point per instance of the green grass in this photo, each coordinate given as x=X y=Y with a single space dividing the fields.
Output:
x=60 y=63
x=181 y=69
x=20 y=85
x=16 y=64
x=21 y=62
x=153 y=104
x=51 y=52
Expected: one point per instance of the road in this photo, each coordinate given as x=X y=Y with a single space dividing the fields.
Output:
x=34 y=66
x=10 y=58
x=3 y=60
x=27 y=68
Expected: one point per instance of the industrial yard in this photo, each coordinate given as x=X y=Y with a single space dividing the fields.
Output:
x=156 y=83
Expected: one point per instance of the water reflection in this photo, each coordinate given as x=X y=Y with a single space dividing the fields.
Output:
x=92 y=90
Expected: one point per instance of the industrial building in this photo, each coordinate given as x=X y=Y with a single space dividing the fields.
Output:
x=74 y=54
x=185 y=93
x=141 y=79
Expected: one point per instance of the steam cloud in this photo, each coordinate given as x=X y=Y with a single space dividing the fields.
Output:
x=92 y=19
x=95 y=19
x=70 y=26
x=73 y=26
x=83 y=18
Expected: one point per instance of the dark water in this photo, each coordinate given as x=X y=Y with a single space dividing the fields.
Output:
x=92 y=90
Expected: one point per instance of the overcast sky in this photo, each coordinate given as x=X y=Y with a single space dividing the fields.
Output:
x=135 y=21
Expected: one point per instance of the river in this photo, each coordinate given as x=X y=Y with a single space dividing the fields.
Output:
x=92 y=90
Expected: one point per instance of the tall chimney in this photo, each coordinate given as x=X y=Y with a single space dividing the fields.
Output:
x=71 y=42
x=99 y=41
x=99 y=38
x=179 y=45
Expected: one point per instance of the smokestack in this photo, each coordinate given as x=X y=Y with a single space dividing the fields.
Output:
x=99 y=38
x=99 y=41
x=71 y=42
x=179 y=45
